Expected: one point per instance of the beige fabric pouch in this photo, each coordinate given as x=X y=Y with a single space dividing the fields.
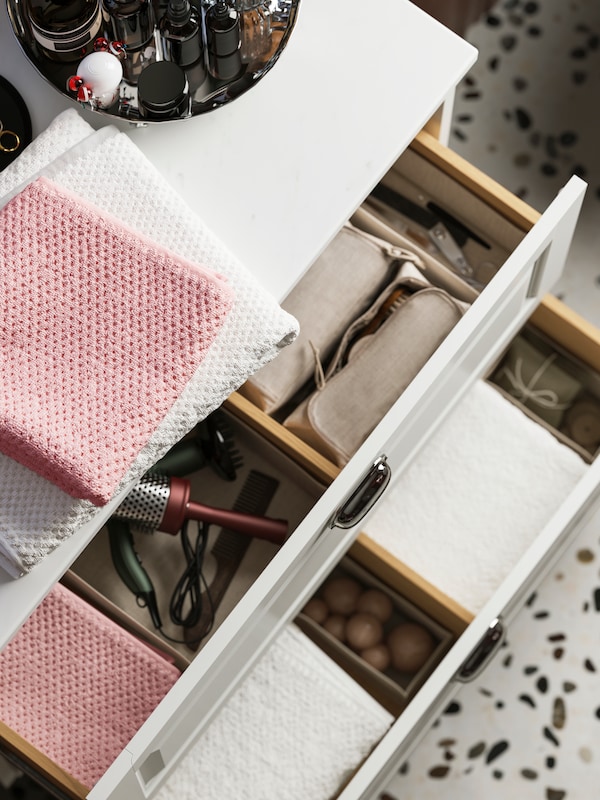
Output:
x=369 y=372
x=339 y=286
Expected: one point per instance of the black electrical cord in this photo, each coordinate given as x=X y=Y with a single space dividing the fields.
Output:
x=191 y=590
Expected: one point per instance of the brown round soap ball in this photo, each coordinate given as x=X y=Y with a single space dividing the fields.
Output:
x=376 y=602
x=582 y=423
x=341 y=594
x=317 y=610
x=363 y=630
x=336 y=626
x=410 y=646
x=377 y=656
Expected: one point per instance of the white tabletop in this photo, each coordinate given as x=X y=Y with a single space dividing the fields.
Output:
x=278 y=171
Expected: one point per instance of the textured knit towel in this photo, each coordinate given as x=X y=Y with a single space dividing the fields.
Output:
x=77 y=686
x=102 y=329
x=476 y=496
x=35 y=516
x=296 y=729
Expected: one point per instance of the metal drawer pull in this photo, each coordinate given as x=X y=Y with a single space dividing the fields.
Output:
x=483 y=653
x=364 y=497
x=537 y=272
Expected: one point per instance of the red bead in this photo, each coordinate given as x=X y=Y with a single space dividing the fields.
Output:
x=74 y=83
x=117 y=49
x=101 y=44
x=84 y=93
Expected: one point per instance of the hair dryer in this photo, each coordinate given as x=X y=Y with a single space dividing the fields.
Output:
x=160 y=502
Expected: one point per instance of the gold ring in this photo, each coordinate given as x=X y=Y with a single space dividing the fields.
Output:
x=16 y=141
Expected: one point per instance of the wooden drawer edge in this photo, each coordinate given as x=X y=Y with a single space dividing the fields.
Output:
x=488 y=190
x=41 y=764
x=409 y=583
x=569 y=329
x=313 y=462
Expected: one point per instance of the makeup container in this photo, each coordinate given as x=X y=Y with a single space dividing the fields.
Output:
x=131 y=21
x=64 y=31
x=163 y=92
x=180 y=34
x=255 y=29
x=223 y=41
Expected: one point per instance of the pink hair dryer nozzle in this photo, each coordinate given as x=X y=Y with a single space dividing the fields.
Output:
x=163 y=503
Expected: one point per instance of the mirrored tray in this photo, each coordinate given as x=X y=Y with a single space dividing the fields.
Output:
x=205 y=92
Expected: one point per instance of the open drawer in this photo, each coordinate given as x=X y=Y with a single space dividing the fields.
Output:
x=288 y=579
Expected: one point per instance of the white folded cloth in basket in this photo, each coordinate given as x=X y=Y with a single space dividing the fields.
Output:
x=476 y=496
x=296 y=729
x=105 y=168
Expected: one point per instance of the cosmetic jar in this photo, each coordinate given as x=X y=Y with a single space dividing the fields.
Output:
x=163 y=92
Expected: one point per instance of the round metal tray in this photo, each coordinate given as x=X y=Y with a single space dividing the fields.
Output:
x=206 y=94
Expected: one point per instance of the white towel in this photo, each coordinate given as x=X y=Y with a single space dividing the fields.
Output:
x=107 y=169
x=475 y=497
x=296 y=729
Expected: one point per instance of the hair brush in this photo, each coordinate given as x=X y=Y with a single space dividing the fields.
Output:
x=159 y=502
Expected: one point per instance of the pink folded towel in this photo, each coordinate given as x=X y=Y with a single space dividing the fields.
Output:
x=101 y=331
x=77 y=686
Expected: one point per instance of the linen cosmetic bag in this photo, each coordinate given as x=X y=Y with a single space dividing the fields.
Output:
x=378 y=356
x=339 y=286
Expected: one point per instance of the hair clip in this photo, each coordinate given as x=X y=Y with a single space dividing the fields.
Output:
x=9 y=140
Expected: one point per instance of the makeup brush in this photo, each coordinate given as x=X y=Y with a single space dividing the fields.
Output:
x=160 y=502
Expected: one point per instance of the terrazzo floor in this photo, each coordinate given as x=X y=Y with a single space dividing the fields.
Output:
x=529 y=727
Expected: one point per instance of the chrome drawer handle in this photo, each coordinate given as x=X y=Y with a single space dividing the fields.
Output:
x=364 y=497
x=482 y=654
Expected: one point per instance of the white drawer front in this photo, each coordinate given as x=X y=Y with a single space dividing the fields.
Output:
x=582 y=503
x=299 y=567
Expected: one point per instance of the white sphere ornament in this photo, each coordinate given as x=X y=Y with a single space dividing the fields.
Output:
x=102 y=72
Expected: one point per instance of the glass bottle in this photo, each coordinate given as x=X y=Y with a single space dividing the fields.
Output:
x=181 y=38
x=223 y=41
x=131 y=21
x=255 y=26
x=65 y=29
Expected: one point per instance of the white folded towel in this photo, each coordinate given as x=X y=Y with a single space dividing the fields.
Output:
x=296 y=729
x=476 y=496
x=108 y=170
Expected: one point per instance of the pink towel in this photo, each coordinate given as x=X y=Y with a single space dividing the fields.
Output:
x=77 y=686
x=101 y=329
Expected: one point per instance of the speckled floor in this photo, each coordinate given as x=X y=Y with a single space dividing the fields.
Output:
x=529 y=727
x=527 y=115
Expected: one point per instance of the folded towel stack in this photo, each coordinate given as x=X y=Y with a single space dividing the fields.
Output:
x=105 y=169
x=296 y=728
x=77 y=686
x=102 y=330
x=468 y=507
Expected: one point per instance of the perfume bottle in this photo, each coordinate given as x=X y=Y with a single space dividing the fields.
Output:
x=64 y=29
x=223 y=41
x=131 y=21
x=255 y=27
x=180 y=34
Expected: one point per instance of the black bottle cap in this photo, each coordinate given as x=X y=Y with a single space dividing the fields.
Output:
x=178 y=11
x=162 y=90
